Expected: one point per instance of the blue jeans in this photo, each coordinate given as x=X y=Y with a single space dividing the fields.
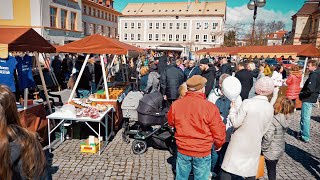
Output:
x=200 y=166
x=214 y=160
x=306 y=111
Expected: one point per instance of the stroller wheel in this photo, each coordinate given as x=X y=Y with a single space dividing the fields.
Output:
x=139 y=147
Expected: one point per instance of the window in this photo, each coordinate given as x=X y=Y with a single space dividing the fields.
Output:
x=206 y=25
x=185 y=25
x=94 y=12
x=170 y=37
x=93 y=28
x=139 y=37
x=150 y=37
x=157 y=25
x=102 y=30
x=132 y=37
x=170 y=25
x=197 y=37
x=184 y=38
x=89 y=13
x=112 y=18
x=63 y=19
x=163 y=37
x=73 y=20
x=132 y=25
x=198 y=25
x=125 y=37
x=139 y=25
x=156 y=37
x=178 y=25
x=105 y=15
x=98 y=13
x=205 y=38
x=214 y=25
x=84 y=9
x=84 y=27
x=275 y=35
x=196 y=48
x=53 y=17
x=101 y=15
x=150 y=25
x=213 y=38
x=109 y=32
x=109 y=17
x=177 y=37
x=126 y=25
x=164 y=25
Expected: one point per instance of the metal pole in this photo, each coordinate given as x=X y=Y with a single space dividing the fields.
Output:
x=254 y=21
x=104 y=78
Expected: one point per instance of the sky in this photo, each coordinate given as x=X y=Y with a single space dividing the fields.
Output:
x=237 y=10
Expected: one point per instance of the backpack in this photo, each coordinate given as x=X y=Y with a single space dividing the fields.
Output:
x=224 y=105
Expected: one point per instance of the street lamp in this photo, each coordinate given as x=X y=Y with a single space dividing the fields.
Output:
x=253 y=5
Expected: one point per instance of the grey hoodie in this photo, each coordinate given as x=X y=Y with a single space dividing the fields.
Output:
x=273 y=144
x=153 y=81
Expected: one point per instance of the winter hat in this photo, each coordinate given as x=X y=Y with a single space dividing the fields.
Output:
x=196 y=83
x=264 y=86
x=204 y=61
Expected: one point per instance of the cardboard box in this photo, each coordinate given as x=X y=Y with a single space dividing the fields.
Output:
x=93 y=148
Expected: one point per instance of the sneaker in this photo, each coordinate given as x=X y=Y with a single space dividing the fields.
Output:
x=305 y=141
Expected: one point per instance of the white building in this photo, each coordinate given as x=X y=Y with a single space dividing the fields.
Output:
x=58 y=21
x=177 y=26
x=276 y=38
x=99 y=17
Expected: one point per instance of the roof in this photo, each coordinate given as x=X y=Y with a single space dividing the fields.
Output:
x=100 y=5
x=308 y=8
x=23 y=39
x=176 y=8
x=97 y=44
x=285 y=50
x=279 y=36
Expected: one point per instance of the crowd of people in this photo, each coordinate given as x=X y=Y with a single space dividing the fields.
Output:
x=214 y=134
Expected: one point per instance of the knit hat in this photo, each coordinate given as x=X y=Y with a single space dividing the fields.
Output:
x=196 y=83
x=264 y=86
x=204 y=61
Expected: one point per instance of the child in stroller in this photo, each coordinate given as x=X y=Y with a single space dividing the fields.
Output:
x=153 y=128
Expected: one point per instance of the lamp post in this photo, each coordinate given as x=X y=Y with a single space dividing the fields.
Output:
x=253 y=5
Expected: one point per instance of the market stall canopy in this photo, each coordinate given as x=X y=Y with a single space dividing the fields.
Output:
x=221 y=51
x=97 y=44
x=22 y=39
x=307 y=50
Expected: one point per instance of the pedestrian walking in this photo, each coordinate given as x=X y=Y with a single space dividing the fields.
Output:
x=246 y=80
x=293 y=83
x=277 y=76
x=197 y=126
x=273 y=143
x=309 y=97
x=208 y=72
x=153 y=83
x=251 y=122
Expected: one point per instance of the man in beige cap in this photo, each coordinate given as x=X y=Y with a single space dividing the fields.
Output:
x=198 y=125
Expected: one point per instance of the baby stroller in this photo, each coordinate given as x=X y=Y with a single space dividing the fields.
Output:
x=130 y=115
x=153 y=126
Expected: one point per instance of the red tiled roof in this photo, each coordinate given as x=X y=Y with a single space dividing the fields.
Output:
x=308 y=8
x=280 y=34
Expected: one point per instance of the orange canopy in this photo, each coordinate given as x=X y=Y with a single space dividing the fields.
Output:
x=220 y=51
x=97 y=44
x=23 y=39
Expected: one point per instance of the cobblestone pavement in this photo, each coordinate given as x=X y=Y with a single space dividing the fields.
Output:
x=301 y=160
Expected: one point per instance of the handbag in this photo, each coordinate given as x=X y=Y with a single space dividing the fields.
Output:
x=260 y=172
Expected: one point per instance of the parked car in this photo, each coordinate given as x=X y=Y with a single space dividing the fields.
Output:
x=287 y=64
x=271 y=61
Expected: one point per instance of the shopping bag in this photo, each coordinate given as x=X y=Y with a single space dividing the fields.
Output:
x=260 y=172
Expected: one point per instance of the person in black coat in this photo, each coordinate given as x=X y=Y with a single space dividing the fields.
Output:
x=225 y=67
x=171 y=79
x=162 y=64
x=246 y=80
x=208 y=72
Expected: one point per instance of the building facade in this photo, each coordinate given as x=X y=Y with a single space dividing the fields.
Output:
x=58 y=21
x=305 y=24
x=99 y=17
x=276 y=38
x=173 y=26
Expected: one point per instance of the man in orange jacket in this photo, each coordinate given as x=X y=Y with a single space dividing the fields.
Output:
x=198 y=125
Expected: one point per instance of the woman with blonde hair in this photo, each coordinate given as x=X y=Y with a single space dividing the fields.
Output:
x=144 y=72
x=20 y=150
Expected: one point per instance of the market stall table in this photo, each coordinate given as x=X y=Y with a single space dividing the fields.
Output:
x=101 y=120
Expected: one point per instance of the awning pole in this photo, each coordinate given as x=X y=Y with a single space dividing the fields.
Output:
x=104 y=77
x=78 y=78
x=43 y=81
x=303 y=72
x=25 y=99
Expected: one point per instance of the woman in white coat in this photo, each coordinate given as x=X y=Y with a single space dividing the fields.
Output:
x=251 y=122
